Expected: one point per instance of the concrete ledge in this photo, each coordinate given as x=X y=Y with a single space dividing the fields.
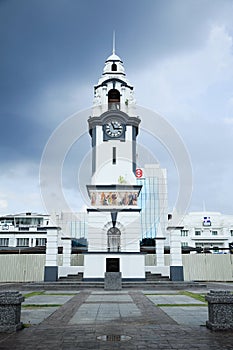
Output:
x=113 y=253
x=123 y=279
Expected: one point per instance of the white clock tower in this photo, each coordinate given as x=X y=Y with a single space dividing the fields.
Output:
x=113 y=126
x=114 y=230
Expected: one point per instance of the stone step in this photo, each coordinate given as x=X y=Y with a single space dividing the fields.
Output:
x=77 y=277
x=143 y=285
x=61 y=285
x=156 y=277
x=152 y=278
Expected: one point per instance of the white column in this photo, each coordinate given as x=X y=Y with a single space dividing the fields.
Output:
x=66 y=243
x=160 y=251
x=175 y=248
x=159 y=246
x=12 y=241
x=176 y=266
x=51 y=247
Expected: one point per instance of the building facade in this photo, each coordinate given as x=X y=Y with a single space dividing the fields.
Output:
x=24 y=230
x=208 y=231
x=153 y=200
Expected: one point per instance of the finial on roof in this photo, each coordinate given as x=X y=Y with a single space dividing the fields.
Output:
x=113 y=43
x=204 y=208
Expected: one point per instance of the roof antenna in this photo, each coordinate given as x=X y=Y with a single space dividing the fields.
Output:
x=113 y=43
x=204 y=208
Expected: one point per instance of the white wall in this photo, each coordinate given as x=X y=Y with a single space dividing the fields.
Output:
x=106 y=172
x=131 y=265
x=100 y=222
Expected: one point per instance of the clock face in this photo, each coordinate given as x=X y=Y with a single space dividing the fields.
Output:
x=114 y=128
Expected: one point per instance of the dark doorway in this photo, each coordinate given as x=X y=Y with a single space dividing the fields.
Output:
x=112 y=265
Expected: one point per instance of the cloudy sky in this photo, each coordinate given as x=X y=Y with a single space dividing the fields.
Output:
x=178 y=54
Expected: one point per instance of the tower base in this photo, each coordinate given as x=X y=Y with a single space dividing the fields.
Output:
x=130 y=265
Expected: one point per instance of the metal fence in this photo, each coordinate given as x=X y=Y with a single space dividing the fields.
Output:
x=197 y=267
x=201 y=267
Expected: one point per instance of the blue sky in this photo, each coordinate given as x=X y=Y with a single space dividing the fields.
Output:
x=178 y=54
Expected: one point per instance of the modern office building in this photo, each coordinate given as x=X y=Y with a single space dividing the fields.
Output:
x=153 y=200
x=73 y=225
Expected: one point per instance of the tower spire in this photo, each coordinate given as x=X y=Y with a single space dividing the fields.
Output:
x=113 y=42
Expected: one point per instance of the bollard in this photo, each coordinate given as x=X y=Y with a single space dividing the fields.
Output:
x=220 y=310
x=112 y=281
x=10 y=311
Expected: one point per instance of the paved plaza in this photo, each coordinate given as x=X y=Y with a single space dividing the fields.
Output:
x=127 y=319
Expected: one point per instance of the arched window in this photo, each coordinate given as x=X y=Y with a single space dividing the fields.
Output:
x=114 y=99
x=114 y=239
x=114 y=67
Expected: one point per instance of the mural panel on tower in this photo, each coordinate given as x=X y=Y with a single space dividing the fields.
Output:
x=113 y=198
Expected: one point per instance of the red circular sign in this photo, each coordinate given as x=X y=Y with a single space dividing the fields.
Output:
x=139 y=173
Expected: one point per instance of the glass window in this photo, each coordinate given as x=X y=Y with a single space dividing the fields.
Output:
x=214 y=233
x=114 y=155
x=231 y=231
x=4 y=242
x=184 y=233
x=197 y=233
x=22 y=242
x=23 y=228
x=184 y=244
x=41 y=241
x=29 y=221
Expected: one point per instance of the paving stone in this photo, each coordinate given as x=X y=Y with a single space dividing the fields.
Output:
x=149 y=326
x=36 y=315
x=47 y=299
x=190 y=315
x=173 y=299
x=109 y=298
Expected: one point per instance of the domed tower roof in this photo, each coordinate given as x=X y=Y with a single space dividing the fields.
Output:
x=114 y=65
x=114 y=57
x=113 y=89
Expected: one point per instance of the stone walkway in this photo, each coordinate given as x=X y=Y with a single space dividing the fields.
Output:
x=118 y=320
